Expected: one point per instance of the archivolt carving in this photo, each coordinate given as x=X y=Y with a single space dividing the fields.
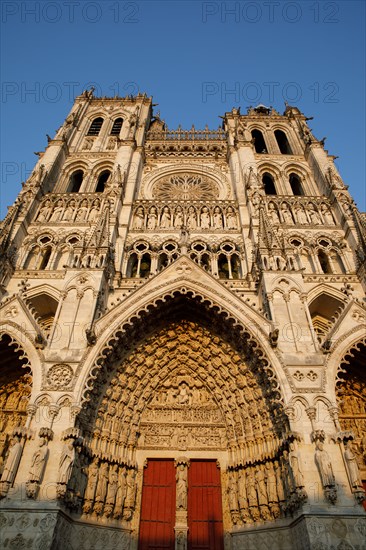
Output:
x=180 y=386
x=351 y=397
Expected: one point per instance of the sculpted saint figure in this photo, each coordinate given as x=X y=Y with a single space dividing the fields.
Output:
x=152 y=218
x=38 y=461
x=324 y=464
x=296 y=466
x=286 y=214
x=353 y=470
x=181 y=478
x=178 y=221
x=12 y=460
x=232 y=492
x=112 y=484
x=66 y=462
x=121 y=493
x=57 y=213
x=300 y=214
x=82 y=211
x=191 y=218
x=138 y=222
x=273 y=214
x=327 y=215
x=165 y=220
x=205 y=218
x=69 y=211
x=101 y=490
x=231 y=221
x=94 y=211
x=92 y=480
x=314 y=216
x=45 y=211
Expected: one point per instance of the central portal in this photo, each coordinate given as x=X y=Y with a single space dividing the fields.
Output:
x=161 y=507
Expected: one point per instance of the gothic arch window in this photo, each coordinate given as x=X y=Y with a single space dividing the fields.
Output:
x=139 y=263
x=337 y=261
x=201 y=255
x=45 y=257
x=229 y=262
x=32 y=258
x=163 y=261
x=259 y=143
x=116 y=128
x=269 y=184
x=283 y=142
x=95 y=126
x=145 y=266
x=102 y=180
x=324 y=262
x=44 y=307
x=75 y=181
x=296 y=185
x=322 y=309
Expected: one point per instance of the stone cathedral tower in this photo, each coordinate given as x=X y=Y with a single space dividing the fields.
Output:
x=182 y=324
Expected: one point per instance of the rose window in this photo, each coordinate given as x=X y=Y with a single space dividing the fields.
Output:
x=186 y=187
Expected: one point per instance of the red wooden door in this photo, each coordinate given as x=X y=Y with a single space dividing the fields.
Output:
x=204 y=506
x=158 y=506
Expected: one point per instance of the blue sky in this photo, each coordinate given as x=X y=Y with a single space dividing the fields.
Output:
x=197 y=60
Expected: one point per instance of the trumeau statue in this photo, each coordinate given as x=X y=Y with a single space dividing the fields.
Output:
x=181 y=478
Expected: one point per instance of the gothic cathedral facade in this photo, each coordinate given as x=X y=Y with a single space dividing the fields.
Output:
x=182 y=334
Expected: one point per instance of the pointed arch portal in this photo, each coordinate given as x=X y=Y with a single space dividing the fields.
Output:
x=182 y=379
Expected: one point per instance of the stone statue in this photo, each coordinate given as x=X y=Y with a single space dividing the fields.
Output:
x=120 y=494
x=205 y=218
x=66 y=462
x=327 y=215
x=82 y=211
x=286 y=214
x=69 y=211
x=165 y=220
x=273 y=214
x=152 y=218
x=295 y=465
x=139 y=218
x=57 y=212
x=112 y=486
x=101 y=490
x=184 y=395
x=12 y=460
x=129 y=504
x=45 y=211
x=324 y=464
x=313 y=214
x=231 y=221
x=178 y=220
x=94 y=211
x=351 y=461
x=38 y=461
x=300 y=214
x=191 y=218
x=181 y=478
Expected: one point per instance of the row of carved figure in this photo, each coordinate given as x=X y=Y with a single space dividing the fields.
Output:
x=191 y=217
x=100 y=487
x=262 y=491
x=266 y=491
x=299 y=213
x=78 y=210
